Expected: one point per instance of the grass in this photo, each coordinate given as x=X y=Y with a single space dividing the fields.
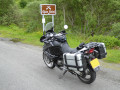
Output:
x=74 y=41
x=113 y=56
x=17 y=34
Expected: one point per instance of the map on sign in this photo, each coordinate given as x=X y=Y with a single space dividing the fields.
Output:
x=48 y=9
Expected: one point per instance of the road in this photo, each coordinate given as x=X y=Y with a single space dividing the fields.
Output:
x=22 y=68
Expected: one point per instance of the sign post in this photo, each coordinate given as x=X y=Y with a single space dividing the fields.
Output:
x=47 y=9
x=43 y=21
x=53 y=21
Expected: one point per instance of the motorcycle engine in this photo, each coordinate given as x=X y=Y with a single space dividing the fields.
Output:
x=60 y=62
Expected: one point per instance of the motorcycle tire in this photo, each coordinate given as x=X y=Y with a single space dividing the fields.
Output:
x=92 y=75
x=49 y=63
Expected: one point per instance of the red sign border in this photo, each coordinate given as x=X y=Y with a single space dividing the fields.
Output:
x=47 y=4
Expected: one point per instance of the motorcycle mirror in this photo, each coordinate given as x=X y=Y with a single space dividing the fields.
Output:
x=65 y=26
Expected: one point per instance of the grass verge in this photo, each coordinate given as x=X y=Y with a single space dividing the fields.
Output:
x=113 y=56
x=17 y=34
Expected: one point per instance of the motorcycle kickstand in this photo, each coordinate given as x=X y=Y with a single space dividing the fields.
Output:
x=61 y=76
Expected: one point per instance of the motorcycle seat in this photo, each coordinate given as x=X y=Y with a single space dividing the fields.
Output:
x=66 y=48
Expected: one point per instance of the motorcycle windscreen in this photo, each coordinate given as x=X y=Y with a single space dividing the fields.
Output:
x=49 y=27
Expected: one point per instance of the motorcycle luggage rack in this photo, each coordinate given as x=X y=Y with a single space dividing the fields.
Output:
x=73 y=66
x=78 y=67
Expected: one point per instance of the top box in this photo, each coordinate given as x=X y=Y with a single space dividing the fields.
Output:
x=48 y=9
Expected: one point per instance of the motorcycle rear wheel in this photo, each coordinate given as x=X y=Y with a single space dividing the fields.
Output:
x=49 y=63
x=88 y=77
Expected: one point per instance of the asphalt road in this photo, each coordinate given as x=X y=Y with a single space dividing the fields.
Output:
x=22 y=68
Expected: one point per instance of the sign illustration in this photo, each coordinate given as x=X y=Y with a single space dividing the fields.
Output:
x=48 y=9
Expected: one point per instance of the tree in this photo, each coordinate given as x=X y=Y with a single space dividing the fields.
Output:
x=89 y=15
x=9 y=12
x=31 y=16
x=115 y=30
x=5 y=6
x=23 y=3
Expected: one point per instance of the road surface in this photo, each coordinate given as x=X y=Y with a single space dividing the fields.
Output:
x=22 y=68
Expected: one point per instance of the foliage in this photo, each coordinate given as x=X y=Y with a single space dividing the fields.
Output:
x=31 y=16
x=108 y=40
x=83 y=17
x=88 y=15
x=115 y=30
x=75 y=39
x=5 y=6
x=10 y=14
x=31 y=27
x=22 y=3
x=113 y=56
x=15 y=33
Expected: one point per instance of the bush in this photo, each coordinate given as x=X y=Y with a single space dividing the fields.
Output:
x=5 y=5
x=32 y=17
x=12 y=16
x=109 y=41
x=31 y=27
x=115 y=30
x=23 y=3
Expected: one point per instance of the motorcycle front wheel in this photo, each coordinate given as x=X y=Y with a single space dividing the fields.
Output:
x=88 y=76
x=50 y=64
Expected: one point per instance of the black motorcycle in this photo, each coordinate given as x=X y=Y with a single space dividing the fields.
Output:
x=81 y=61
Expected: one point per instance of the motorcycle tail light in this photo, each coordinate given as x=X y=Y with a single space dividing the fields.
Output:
x=91 y=50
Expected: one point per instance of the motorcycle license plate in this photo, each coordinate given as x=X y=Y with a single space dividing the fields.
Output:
x=95 y=63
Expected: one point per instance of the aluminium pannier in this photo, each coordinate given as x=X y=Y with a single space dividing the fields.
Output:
x=74 y=61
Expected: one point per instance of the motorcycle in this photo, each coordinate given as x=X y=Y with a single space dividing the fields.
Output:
x=81 y=61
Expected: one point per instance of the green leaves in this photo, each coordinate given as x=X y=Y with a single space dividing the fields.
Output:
x=109 y=41
x=115 y=30
x=9 y=12
x=23 y=3
x=96 y=15
x=5 y=6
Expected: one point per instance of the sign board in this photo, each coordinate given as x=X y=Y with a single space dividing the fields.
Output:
x=48 y=9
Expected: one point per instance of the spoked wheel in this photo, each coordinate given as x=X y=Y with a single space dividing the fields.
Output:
x=50 y=64
x=88 y=76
